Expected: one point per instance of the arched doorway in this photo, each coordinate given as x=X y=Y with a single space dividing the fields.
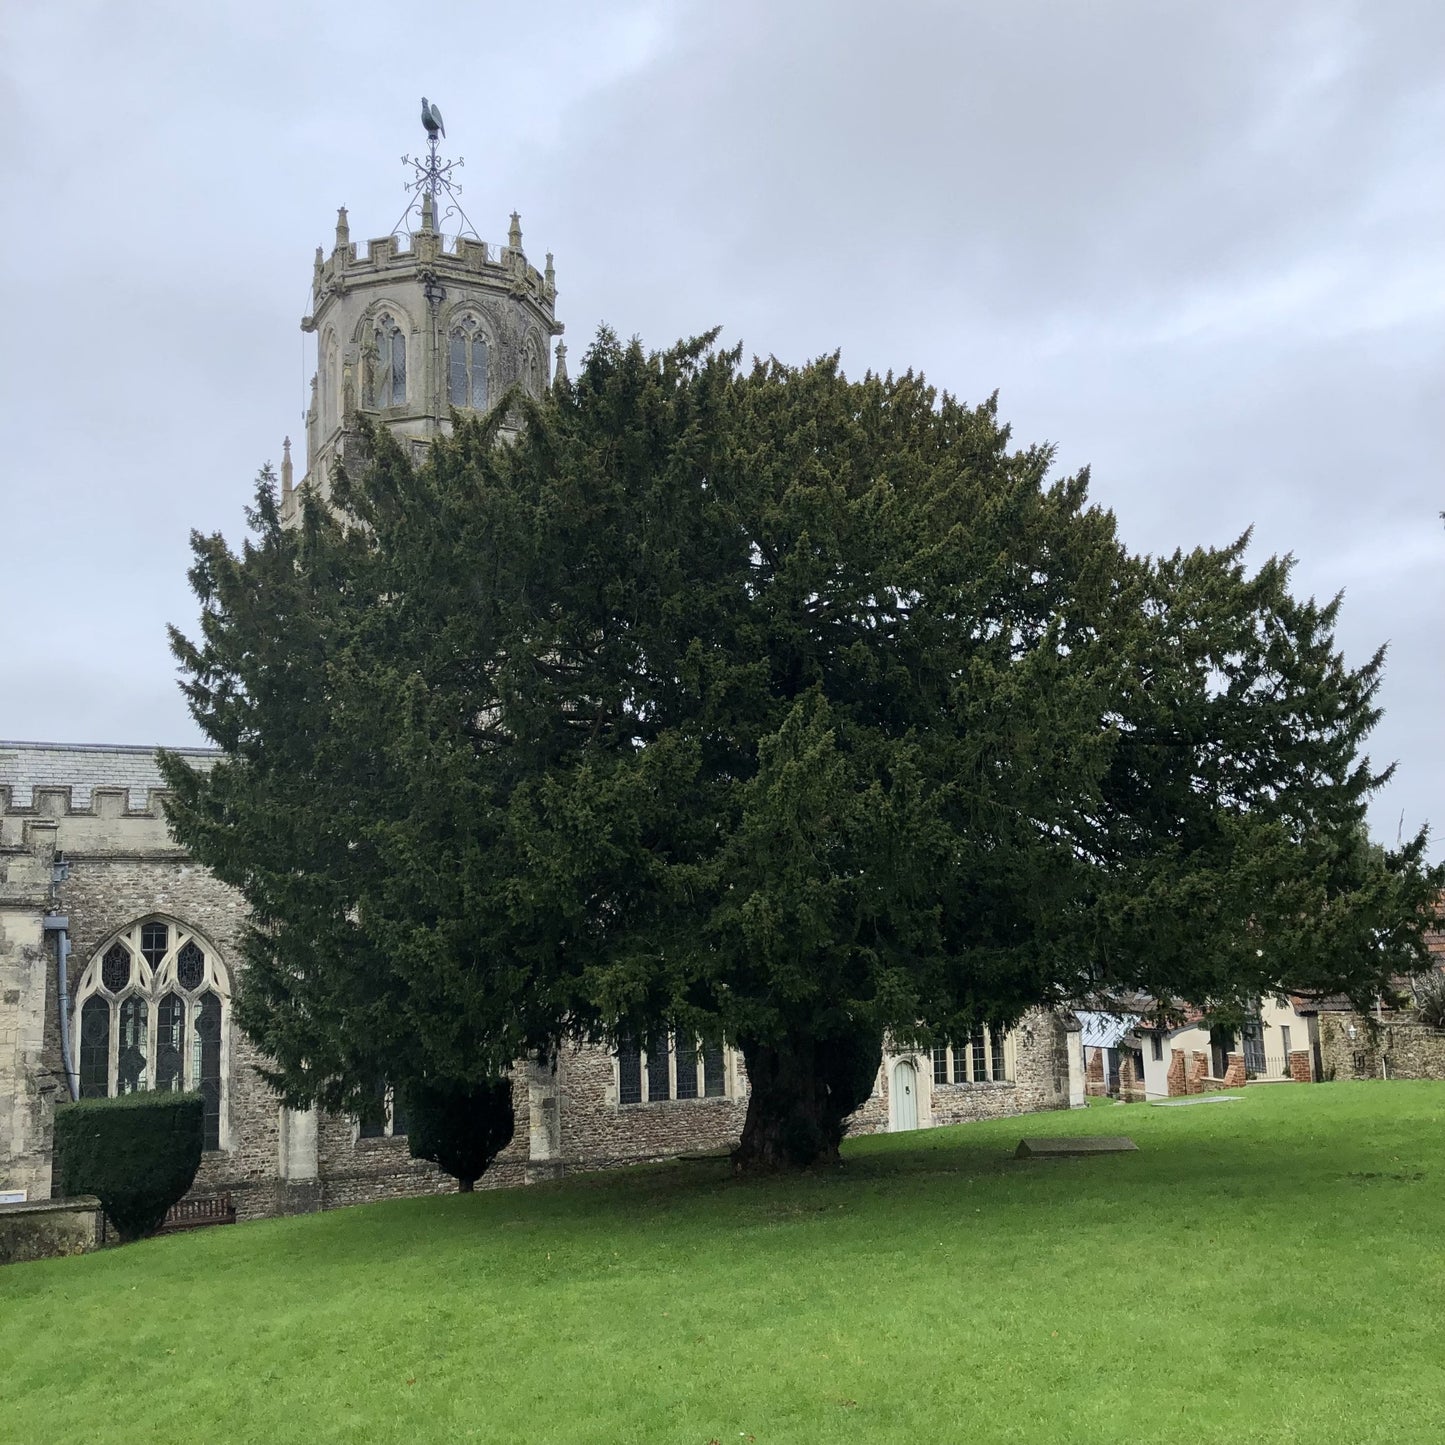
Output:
x=904 y=1098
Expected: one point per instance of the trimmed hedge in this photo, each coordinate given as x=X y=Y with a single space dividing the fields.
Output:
x=138 y=1154
x=461 y=1129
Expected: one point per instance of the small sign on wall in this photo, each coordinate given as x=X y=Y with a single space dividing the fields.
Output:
x=12 y=1196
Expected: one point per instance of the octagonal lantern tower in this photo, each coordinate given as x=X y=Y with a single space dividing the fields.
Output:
x=422 y=324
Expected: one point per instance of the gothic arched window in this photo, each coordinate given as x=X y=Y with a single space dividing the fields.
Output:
x=467 y=365
x=388 y=362
x=151 y=1009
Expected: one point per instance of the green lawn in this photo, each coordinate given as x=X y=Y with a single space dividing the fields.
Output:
x=1259 y=1271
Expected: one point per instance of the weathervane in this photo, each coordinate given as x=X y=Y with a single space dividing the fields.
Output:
x=432 y=179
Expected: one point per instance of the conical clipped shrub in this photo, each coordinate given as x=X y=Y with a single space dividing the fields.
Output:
x=138 y=1154
x=460 y=1128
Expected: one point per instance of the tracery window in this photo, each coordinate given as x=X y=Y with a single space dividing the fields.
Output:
x=467 y=365
x=150 y=1013
x=670 y=1071
x=388 y=362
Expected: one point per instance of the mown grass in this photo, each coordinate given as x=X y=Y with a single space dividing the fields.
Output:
x=1265 y=1270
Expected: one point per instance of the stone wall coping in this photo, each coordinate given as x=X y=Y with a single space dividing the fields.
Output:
x=77 y=1203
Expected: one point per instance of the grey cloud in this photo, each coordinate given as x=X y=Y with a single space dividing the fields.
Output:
x=1195 y=245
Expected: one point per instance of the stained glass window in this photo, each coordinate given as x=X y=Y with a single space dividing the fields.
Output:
x=94 y=1061
x=155 y=939
x=629 y=1074
x=170 y=1043
x=687 y=1074
x=996 y=1039
x=206 y=1068
x=659 y=1081
x=115 y=967
x=940 y=1063
x=714 y=1073
x=190 y=965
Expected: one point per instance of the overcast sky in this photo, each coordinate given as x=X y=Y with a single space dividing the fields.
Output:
x=1200 y=246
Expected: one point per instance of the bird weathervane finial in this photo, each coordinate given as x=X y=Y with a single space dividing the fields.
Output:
x=433 y=179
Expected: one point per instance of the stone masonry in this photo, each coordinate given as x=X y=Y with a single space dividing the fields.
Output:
x=122 y=866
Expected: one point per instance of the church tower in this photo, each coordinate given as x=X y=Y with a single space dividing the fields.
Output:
x=423 y=323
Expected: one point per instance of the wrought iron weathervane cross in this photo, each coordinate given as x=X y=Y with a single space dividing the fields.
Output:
x=432 y=178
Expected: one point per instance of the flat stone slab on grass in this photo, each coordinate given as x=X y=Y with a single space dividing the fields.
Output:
x=1202 y=1099
x=1082 y=1144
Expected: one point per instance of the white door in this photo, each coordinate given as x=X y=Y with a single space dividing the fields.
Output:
x=905 y=1097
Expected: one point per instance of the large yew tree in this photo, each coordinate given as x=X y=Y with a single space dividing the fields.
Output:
x=768 y=707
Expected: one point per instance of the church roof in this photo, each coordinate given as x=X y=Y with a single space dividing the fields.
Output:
x=82 y=767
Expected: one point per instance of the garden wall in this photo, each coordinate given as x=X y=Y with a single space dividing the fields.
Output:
x=49 y=1227
x=1353 y=1047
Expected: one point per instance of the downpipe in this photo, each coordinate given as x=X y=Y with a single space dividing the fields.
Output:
x=59 y=925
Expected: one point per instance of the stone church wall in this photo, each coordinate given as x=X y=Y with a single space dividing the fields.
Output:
x=124 y=867
x=597 y=1129
x=1039 y=1050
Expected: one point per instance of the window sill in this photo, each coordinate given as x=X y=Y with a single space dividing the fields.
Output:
x=687 y=1103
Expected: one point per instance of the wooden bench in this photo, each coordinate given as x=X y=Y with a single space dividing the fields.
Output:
x=198 y=1213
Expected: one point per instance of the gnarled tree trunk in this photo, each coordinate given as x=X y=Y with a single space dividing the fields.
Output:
x=801 y=1091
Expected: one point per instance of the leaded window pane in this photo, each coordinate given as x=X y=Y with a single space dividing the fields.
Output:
x=658 y=1081
x=155 y=939
x=960 y=1063
x=398 y=368
x=980 y=1057
x=687 y=1074
x=457 y=369
x=94 y=1061
x=714 y=1073
x=940 y=1063
x=130 y=1069
x=629 y=1074
x=996 y=1039
x=206 y=1068
x=479 y=373
x=170 y=1042
x=115 y=967
x=190 y=965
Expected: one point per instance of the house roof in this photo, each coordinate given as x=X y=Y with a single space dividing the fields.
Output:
x=1104 y=1030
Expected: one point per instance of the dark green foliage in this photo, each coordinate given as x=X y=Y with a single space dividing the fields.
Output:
x=767 y=706
x=459 y=1128
x=1430 y=1000
x=138 y=1154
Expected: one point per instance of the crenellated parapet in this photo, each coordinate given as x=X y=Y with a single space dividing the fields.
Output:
x=90 y=799
x=414 y=327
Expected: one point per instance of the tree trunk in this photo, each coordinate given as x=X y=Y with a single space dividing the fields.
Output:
x=801 y=1091
x=464 y=1186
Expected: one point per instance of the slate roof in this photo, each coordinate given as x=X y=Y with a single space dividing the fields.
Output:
x=83 y=767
